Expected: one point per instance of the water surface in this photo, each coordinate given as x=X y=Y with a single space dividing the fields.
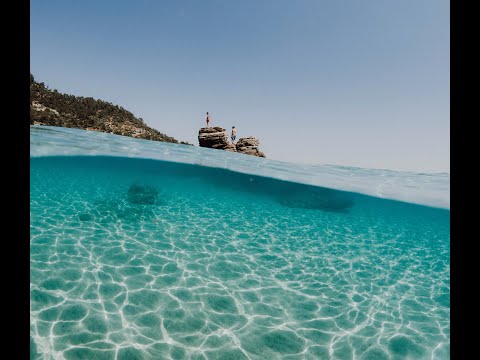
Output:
x=141 y=258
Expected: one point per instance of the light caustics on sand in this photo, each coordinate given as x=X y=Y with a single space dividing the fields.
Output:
x=135 y=257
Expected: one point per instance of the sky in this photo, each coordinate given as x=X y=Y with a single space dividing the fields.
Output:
x=344 y=82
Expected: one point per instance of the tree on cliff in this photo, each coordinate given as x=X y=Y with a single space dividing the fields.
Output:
x=50 y=107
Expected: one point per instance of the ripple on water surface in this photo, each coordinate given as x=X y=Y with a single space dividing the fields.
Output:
x=144 y=259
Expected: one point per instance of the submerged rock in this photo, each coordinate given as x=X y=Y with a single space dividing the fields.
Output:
x=142 y=194
x=86 y=217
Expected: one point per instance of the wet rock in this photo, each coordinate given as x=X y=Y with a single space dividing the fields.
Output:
x=142 y=194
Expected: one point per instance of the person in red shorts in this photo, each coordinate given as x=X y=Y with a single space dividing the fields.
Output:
x=208 y=119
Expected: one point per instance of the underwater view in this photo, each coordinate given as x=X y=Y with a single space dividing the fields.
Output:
x=149 y=250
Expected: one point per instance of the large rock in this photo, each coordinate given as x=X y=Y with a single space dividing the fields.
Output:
x=213 y=137
x=249 y=146
x=216 y=137
x=248 y=142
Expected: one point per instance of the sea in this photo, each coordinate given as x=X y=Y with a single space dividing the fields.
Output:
x=149 y=250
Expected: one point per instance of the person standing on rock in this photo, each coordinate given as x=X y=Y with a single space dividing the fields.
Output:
x=234 y=134
x=208 y=119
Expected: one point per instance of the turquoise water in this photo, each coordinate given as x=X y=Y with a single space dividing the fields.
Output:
x=141 y=258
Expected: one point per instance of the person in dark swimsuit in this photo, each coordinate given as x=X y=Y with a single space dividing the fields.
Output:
x=234 y=134
x=208 y=119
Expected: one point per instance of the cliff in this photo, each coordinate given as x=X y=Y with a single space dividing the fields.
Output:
x=49 y=107
x=216 y=137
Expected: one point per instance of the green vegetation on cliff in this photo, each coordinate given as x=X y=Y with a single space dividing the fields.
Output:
x=49 y=107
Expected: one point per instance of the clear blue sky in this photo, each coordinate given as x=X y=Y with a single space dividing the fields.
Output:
x=348 y=82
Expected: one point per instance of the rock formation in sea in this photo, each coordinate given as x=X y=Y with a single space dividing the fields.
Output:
x=142 y=194
x=249 y=145
x=213 y=137
x=216 y=137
